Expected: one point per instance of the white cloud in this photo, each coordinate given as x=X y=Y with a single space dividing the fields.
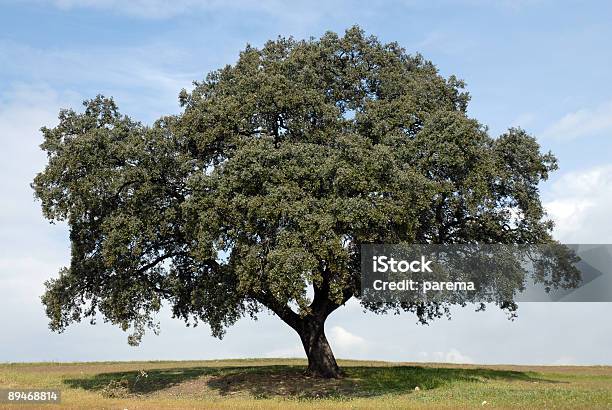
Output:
x=22 y=278
x=579 y=203
x=298 y=12
x=451 y=356
x=584 y=122
x=158 y=9
x=344 y=341
x=523 y=120
x=29 y=251
x=294 y=351
x=143 y=78
x=24 y=109
x=141 y=8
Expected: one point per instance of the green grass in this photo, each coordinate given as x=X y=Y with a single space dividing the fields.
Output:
x=280 y=383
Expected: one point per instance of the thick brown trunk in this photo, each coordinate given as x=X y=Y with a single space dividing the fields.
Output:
x=321 y=360
x=311 y=327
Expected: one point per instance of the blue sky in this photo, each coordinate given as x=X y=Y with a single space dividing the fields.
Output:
x=543 y=65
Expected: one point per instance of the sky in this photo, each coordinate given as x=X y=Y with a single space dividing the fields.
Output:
x=542 y=65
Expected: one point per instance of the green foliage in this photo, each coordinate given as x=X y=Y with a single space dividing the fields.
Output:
x=277 y=170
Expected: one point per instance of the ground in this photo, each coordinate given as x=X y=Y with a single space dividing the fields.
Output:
x=281 y=383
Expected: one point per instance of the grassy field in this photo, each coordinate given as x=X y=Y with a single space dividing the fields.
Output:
x=278 y=383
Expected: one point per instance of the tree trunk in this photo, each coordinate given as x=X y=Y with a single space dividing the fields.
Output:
x=321 y=360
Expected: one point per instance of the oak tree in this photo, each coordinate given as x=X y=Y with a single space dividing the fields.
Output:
x=259 y=194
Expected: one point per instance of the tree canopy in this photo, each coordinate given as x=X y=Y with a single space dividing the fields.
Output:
x=261 y=191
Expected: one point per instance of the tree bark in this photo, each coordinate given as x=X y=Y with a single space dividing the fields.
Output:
x=321 y=360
